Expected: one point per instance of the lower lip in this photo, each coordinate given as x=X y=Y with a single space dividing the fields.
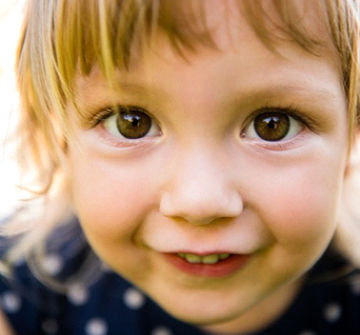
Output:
x=221 y=269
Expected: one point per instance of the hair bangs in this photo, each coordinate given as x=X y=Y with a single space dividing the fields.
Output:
x=108 y=33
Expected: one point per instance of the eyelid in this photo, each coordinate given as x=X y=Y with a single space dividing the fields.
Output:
x=106 y=112
x=100 y=118
x=290 y=111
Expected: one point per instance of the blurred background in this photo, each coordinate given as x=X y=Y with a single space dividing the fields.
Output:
x=10 y=23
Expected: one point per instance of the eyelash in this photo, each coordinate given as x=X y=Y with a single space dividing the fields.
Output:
x=291 y=112
x=102 y=115
x=100 y=118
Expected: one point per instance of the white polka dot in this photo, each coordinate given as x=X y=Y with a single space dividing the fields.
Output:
x=161 y=331
x=332 y=312
x=11 y=302
x=133 y=298
x=50 y=326
x=78 y=295
x=307 y=332
x=52 y=264
x=355 y=285
x=96 y=326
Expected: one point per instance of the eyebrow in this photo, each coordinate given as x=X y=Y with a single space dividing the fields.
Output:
x=301 y=90
x=313 y=98
x=271 y=90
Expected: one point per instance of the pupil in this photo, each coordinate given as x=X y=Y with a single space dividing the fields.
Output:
x=272 y=126
x=133 y=124
x=133 y=119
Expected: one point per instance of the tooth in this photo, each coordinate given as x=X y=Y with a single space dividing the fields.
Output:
x=224 y=256
x=210 y=259
x=182 y=255
x=193 y=258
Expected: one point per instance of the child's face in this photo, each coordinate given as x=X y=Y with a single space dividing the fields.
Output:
x=246 y=156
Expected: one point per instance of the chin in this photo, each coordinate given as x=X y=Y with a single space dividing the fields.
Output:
x=203 y=311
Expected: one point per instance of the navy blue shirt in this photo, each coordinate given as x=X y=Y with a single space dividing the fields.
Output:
x=110 y=305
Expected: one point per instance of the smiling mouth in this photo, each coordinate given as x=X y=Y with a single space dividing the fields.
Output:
x=211 y=265
x=208 y=259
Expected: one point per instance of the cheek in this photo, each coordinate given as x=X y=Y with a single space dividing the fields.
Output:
x=300 y=204
x=110 y=200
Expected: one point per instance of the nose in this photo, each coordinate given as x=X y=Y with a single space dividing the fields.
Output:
x=200 y=190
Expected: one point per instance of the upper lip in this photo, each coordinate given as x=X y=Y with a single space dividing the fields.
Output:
x=202 y=249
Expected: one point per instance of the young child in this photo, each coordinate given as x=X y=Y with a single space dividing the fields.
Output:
x=191 y=166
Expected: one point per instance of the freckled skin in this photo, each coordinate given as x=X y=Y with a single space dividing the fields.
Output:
x=198 y=185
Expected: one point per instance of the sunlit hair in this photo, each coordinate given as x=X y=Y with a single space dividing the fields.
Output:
x=62 y=39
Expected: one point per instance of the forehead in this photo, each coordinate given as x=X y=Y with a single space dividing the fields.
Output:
x=241 y=58
x=125 y=26
x=216 y=26
x=275 y=22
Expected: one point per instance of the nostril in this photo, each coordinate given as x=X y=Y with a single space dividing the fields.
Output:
x=200 y=210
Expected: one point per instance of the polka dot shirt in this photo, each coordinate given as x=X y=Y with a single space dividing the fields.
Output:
x=111 y=306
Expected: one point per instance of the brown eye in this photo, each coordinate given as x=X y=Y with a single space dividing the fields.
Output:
x=272 y=126
x=129 y=123
x=132 y=123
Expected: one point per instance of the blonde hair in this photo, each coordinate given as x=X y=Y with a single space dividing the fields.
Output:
x=64 y=38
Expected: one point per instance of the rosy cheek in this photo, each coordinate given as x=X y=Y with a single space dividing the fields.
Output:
x=107 y=203
x=303 y=210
